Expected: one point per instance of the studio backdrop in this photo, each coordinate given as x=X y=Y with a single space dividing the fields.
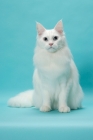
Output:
x=18 y=38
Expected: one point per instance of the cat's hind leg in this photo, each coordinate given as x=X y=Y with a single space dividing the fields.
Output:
x=75 y=98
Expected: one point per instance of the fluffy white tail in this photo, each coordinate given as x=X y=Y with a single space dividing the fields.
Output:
x=23 y=99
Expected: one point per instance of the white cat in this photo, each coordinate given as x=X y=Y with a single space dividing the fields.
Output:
x=55 y=79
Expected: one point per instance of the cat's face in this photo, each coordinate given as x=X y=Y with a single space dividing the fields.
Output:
x=51 y=40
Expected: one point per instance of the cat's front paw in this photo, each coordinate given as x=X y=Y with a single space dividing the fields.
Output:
x=64 y=109
x=45 y=108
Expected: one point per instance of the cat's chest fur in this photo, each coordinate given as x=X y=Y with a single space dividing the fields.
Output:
x=52 y=65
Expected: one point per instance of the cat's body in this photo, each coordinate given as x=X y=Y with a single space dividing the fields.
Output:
x=55 y=79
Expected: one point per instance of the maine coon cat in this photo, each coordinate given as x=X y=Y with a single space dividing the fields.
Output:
x=55 y=78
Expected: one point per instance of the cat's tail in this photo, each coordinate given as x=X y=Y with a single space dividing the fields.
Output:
x=23 y=99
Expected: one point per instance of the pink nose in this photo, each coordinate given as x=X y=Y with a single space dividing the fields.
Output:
x=50 y=44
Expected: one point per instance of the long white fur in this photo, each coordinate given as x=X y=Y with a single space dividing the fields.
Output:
x=55 y=79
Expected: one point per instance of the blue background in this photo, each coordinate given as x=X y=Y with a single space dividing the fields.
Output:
x=17 y=43
x=18 y=37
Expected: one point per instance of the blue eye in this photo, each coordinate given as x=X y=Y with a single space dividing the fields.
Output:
x=45 y=39
x=55 y=38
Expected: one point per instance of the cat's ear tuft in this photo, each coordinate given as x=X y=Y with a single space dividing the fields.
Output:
x=40 y=28
x=59 y=27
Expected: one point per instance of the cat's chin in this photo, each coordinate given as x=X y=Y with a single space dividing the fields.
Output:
x=51 y=50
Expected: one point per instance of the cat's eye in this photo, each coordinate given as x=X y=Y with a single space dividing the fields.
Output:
x=45 y=39
x=55 y=38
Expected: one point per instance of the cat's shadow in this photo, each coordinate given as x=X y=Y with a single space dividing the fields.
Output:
x=36 y=111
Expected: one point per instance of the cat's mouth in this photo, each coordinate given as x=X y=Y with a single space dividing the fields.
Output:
x=51 y=49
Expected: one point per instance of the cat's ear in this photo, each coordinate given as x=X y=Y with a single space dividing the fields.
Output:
x=59 y=27
x=40 y=28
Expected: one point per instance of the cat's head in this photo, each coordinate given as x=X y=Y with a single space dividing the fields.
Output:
x=51 y=40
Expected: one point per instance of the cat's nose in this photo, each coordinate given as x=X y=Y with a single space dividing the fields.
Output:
x=50 y=44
